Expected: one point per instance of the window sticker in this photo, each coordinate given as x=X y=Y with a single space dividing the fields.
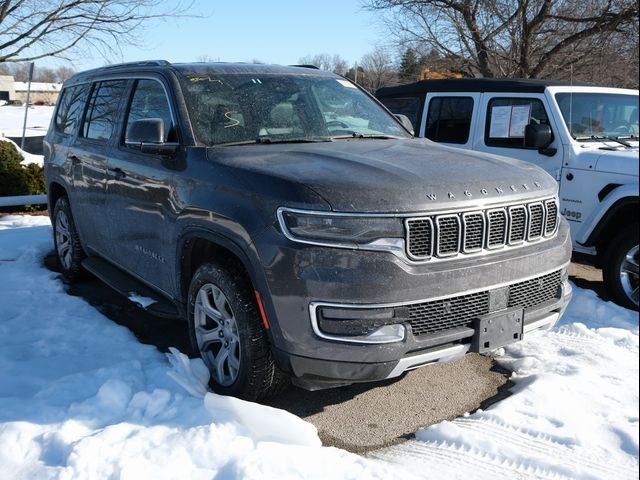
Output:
x=520 y=116
x=346 y=83
x=509 y=121
x=500 y=119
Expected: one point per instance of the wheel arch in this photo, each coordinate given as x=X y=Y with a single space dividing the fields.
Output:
x=55 y=190
x=621 y=214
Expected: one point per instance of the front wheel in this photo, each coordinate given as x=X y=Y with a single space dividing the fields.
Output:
x=620 y=270
x=226 y=329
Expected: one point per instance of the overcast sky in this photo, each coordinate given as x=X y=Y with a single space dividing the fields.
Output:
x=276 y=31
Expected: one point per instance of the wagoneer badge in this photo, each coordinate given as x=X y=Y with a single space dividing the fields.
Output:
x=484 y=191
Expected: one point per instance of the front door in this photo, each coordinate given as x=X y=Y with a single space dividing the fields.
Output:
x=140 y=194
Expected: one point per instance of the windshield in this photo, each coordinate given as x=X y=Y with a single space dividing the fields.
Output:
x=599 y=115
x=265 y=108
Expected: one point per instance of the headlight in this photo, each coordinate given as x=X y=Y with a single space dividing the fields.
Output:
x=341 y=230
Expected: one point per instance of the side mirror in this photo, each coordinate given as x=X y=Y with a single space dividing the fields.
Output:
x=147 y=135
x=537 y=136
x=406 y=123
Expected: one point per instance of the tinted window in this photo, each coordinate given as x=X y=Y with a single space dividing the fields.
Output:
x=449 y=119
x=507 y=117
x=70 y=108
x=150 y=101
x=102 y=113
x=409 y=106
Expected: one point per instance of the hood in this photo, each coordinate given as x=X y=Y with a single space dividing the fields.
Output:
x=620 y=161
x=369 y=175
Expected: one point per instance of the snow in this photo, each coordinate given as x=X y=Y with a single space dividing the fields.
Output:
x=11 y=120
x=143 y=301
x=81 y=398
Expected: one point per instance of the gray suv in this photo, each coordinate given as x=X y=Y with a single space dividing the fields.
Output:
x=296 y=225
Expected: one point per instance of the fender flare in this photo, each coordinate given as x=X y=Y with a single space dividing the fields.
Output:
x=616 y=199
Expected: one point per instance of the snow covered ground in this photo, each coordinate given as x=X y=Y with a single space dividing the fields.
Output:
x=81 y=398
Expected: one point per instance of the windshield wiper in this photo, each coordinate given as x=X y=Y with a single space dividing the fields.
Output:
x=267 y=140
x=379 y=136
x=604 y=137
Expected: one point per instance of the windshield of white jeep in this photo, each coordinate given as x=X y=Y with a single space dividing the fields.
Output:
x=271 y=108
x=596 y=116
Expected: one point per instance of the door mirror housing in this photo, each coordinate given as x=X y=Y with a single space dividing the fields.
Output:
x=537 y=136
x=147 y=135
x=406 y=123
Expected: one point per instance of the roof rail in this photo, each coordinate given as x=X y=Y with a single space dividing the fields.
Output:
x=306 y=66
x=141 y=63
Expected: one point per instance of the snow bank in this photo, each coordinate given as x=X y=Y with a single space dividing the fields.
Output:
x=81 y=398
x=12 y=119
x=27 y=157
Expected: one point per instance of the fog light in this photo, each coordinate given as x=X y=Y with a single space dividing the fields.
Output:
x=388 y=333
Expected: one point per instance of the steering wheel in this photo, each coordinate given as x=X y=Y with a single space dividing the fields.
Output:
x=623 y=129
x=336 y=123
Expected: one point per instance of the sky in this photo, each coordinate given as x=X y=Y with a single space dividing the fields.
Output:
x=276 y=31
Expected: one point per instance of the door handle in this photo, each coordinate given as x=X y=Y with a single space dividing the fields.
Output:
x=117 y=172
x=75 y=160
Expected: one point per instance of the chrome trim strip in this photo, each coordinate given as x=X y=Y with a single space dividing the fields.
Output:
x=316 y=304
x=457 y=251
x=545 y=321
x=525 y=227
x=546 y=208
x=442 y=355
x=408 y=238
x=543 y=222
x=506 y=229
x=464 y=231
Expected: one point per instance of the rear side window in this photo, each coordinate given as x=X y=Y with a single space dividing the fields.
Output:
x=102 y=113
x=70 y=108
x=408 y=106
x=507 y=118
x=150 y=101
x=449 y=119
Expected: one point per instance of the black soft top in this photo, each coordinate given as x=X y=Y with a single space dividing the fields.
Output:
x=473 y=85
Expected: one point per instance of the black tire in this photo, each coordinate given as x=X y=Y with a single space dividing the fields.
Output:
x=66 y=241
x=619 y=285
x=257 y=378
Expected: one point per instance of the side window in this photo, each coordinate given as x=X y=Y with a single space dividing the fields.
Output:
x=449 y=119
x=507 y=118
x=69 y=109
x=409 y=106
x=150 y=101
x=102 y=114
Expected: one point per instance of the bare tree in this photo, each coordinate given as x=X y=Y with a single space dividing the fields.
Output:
x=523 y=38
x=20 y=72
x=34 y=29
x=377 y=70
x=324 y=61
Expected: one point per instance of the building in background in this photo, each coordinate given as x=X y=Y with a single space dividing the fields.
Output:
x=42 y=93
x=7 y=90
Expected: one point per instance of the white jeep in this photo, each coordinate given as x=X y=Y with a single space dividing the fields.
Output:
x=585 y=136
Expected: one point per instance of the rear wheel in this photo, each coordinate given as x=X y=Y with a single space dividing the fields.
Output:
x=67 y=241
x=620 y=270
x=226 y=329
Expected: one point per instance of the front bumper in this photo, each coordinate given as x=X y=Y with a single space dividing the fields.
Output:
x=302 y=277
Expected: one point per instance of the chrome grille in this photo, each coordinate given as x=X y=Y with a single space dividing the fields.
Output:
x=552 y=217
x=448 y=229
x=420 y=237
x=517 y=224
x=474 y=231
x=473 y=234
x=460 y=311
x=497 y=234
x=536 y=221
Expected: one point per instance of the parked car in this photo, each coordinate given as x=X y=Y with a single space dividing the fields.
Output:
x=296 y=225
x=586 y=137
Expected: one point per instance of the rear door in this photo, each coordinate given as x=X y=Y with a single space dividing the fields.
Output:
x=500 y=129
x=88 y=157
x=141 y=206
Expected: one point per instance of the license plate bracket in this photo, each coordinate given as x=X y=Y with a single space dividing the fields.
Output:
x=497 y=329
